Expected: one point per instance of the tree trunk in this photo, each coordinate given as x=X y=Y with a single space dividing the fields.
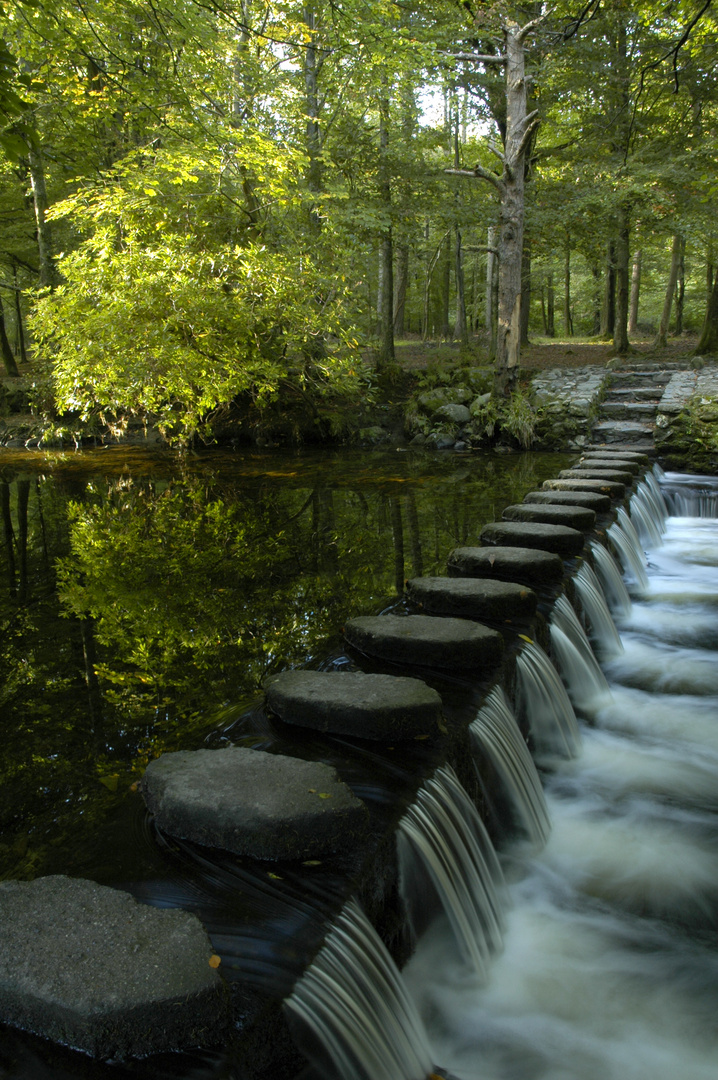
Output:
x=401 y=284
x=635 y=292
x=312 y=66
x=8 y=533
x=597 y=306
x=525 y=293
x=397 y=532
x=48 y=277
x=680 y=289
x=620 y=330
x=19 y=320
x=385 y=356
x=551 y=307
x=662 y=336
x=491 y=272
x=708 y=344
x=445 y=329
x=461 y=332
x=8 y=357
x=519 y=126
x=608 y=320
x=567 y=319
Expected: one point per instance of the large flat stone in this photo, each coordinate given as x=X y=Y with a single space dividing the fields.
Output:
x=528 y=566
x=576 y=517
x=597 y=474
x=558 y=538
x=477 y=598
x=352 y=703
x=610 y=461
x=91 y=968
x=602 y=487
x=428 y=641
x=622 y=452
x=264 y=805
x=594 y=500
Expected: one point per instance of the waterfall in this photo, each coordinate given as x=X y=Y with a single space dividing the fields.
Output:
x=609 y=575
x=542 y=700
x=630 y=554
x=496 y=732
x=444 y=848
x=646 y=516
x=351 y=1012
x=690 y=496
x=603 y=628
x=586 y=682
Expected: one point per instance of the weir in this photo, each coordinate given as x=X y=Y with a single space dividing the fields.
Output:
x=618 y=882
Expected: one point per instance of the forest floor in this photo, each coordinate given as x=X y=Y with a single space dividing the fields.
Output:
x=413 y=354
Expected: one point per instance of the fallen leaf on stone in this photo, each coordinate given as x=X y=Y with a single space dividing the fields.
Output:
x=312 y=862
x=276 y=877
x=312 y=790
x=325 y=795
x=418 y=738
x=492 y=560
x=214 y=961
x=524 y=638
x=135 y=786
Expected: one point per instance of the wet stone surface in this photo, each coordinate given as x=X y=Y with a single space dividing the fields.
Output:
x=528 y=566
x=91 y=968
x=576 y=517
x=428 y=641
x=597 y=473
x=593 y=500
x=610 y=461
x=352 y=703
x=267 y=806
x=495 y=601
x=603 y=487
x=558 y=538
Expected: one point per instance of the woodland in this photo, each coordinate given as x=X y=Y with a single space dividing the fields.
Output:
x=206 y=202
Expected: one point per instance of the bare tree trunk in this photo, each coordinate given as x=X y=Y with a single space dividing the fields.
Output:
x=609 y=299
x=635 y=292
x=525 y=292
x=596 y=273
x=445 y=331
x=19 y=320
x=48 y=276
x=680 y=289
x=567 y=319
x=551 y=307
x=708 y=344
x=662 y=337
x=621 y=344
x=491 y=269
x=385 y=356
x=401 y=284
x=8 y=357
x=461 y=332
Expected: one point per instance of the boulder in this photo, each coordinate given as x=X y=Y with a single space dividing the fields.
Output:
x=558 y=538
x=268 y=806
x=454 y=414
x=477 y=598
x=528 y=566
x=352 y=703
x=90 y=967
x=428 y=641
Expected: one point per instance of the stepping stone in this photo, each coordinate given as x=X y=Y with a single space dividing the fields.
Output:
x=603 y=487
x=528 y=566
x=558 y=538
x=576 y=517
x=628 y=410
x=622 y=452
x=267 y=806
x=614 y=431
x=352 y=703
x=596 y=474
x=428 y=641
x=610 y=461
x=594 y=500
x=496 y=601
x=91 y=968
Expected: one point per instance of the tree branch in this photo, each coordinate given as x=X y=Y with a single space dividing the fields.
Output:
x=526 y=30
x=480 y=173
x=478 y=58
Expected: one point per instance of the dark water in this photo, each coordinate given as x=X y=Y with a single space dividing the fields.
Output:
x=144 y=598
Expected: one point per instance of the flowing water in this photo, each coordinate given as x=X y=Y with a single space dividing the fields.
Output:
x=610 y=963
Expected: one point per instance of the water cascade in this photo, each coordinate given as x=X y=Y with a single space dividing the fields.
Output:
x=630 y=553
x=694 y=496
x=603 y=629
x=646 y=517
x=497 y=735
x=444 y=849
x=350 y=1011
x=614 y=588
x=542 y=701
x=586 y=682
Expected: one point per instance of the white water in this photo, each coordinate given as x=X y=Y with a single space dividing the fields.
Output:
x=610 y=962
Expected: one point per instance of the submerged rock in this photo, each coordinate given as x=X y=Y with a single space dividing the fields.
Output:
x=90 y=967
x=268 y=806
x=353 y=703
